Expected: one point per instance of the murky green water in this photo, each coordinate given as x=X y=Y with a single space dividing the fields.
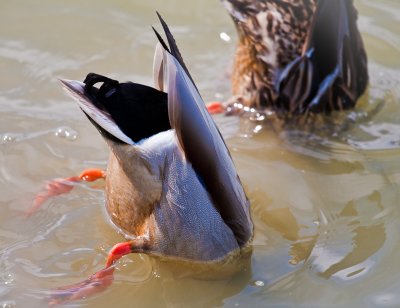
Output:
x=326 y=206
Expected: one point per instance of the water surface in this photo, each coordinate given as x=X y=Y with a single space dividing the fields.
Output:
x=325 y=203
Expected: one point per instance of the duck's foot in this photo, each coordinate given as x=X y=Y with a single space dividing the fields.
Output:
x=118 y=251
x=91 y=175
x=98 y=282
x=95 y=284
x=236 y=105
x=215 y=107
x=62 y=186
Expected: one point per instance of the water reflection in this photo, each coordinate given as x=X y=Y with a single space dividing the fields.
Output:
x=348 y=246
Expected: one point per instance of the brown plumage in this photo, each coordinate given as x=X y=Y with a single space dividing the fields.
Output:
x=297 y=56
x=172 y=186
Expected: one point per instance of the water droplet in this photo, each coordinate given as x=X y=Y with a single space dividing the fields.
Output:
x=8 y=137
x=66 y=133
x=260 y=117
x=218 y=96
x=257 y=129
x=225 y=37
x=8 y=304
x=258 y=283
x=156 y=275
x=7 y=278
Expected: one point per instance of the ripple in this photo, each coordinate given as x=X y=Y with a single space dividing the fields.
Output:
x=39 y=63
x=383 y=136
x=386 y=299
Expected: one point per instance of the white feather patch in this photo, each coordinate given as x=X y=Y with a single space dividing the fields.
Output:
x=77 y=90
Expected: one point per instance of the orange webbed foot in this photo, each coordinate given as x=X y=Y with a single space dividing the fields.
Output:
x=215 y=107
x=62 y=186
x=96 y=283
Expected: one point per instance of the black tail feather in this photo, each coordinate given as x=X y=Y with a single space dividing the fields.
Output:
x=138 y=110
x=332 y=72
x=160 y=39
x=174 y=50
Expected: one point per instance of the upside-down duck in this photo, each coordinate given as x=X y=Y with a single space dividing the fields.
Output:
x=171 y=185
x=297 y=56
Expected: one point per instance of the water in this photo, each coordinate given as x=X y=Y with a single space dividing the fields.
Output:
x=325 y=203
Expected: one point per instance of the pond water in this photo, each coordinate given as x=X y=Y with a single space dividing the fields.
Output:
x=325 y=202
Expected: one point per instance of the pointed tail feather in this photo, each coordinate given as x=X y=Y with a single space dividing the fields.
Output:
x=174 y=50
x=203 y=144
x=158 y=67
x=205 y=148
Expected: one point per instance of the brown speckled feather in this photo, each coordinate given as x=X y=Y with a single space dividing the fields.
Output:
x=273 y=34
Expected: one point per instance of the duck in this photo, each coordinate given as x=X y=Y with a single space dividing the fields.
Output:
x=297 y=57
x=171 y=186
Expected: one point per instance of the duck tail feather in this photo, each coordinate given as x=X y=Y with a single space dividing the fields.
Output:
x=204 y=146
x=158 y=68
x=206 y=150
x=94 y=110
x=129 y=111
x=161 y=40
x=332 y=73
x=174 y=50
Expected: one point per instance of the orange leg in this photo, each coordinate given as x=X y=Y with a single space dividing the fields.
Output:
x=62 y=186
x=98 y=282
x=91 y=175
x=118 y=251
